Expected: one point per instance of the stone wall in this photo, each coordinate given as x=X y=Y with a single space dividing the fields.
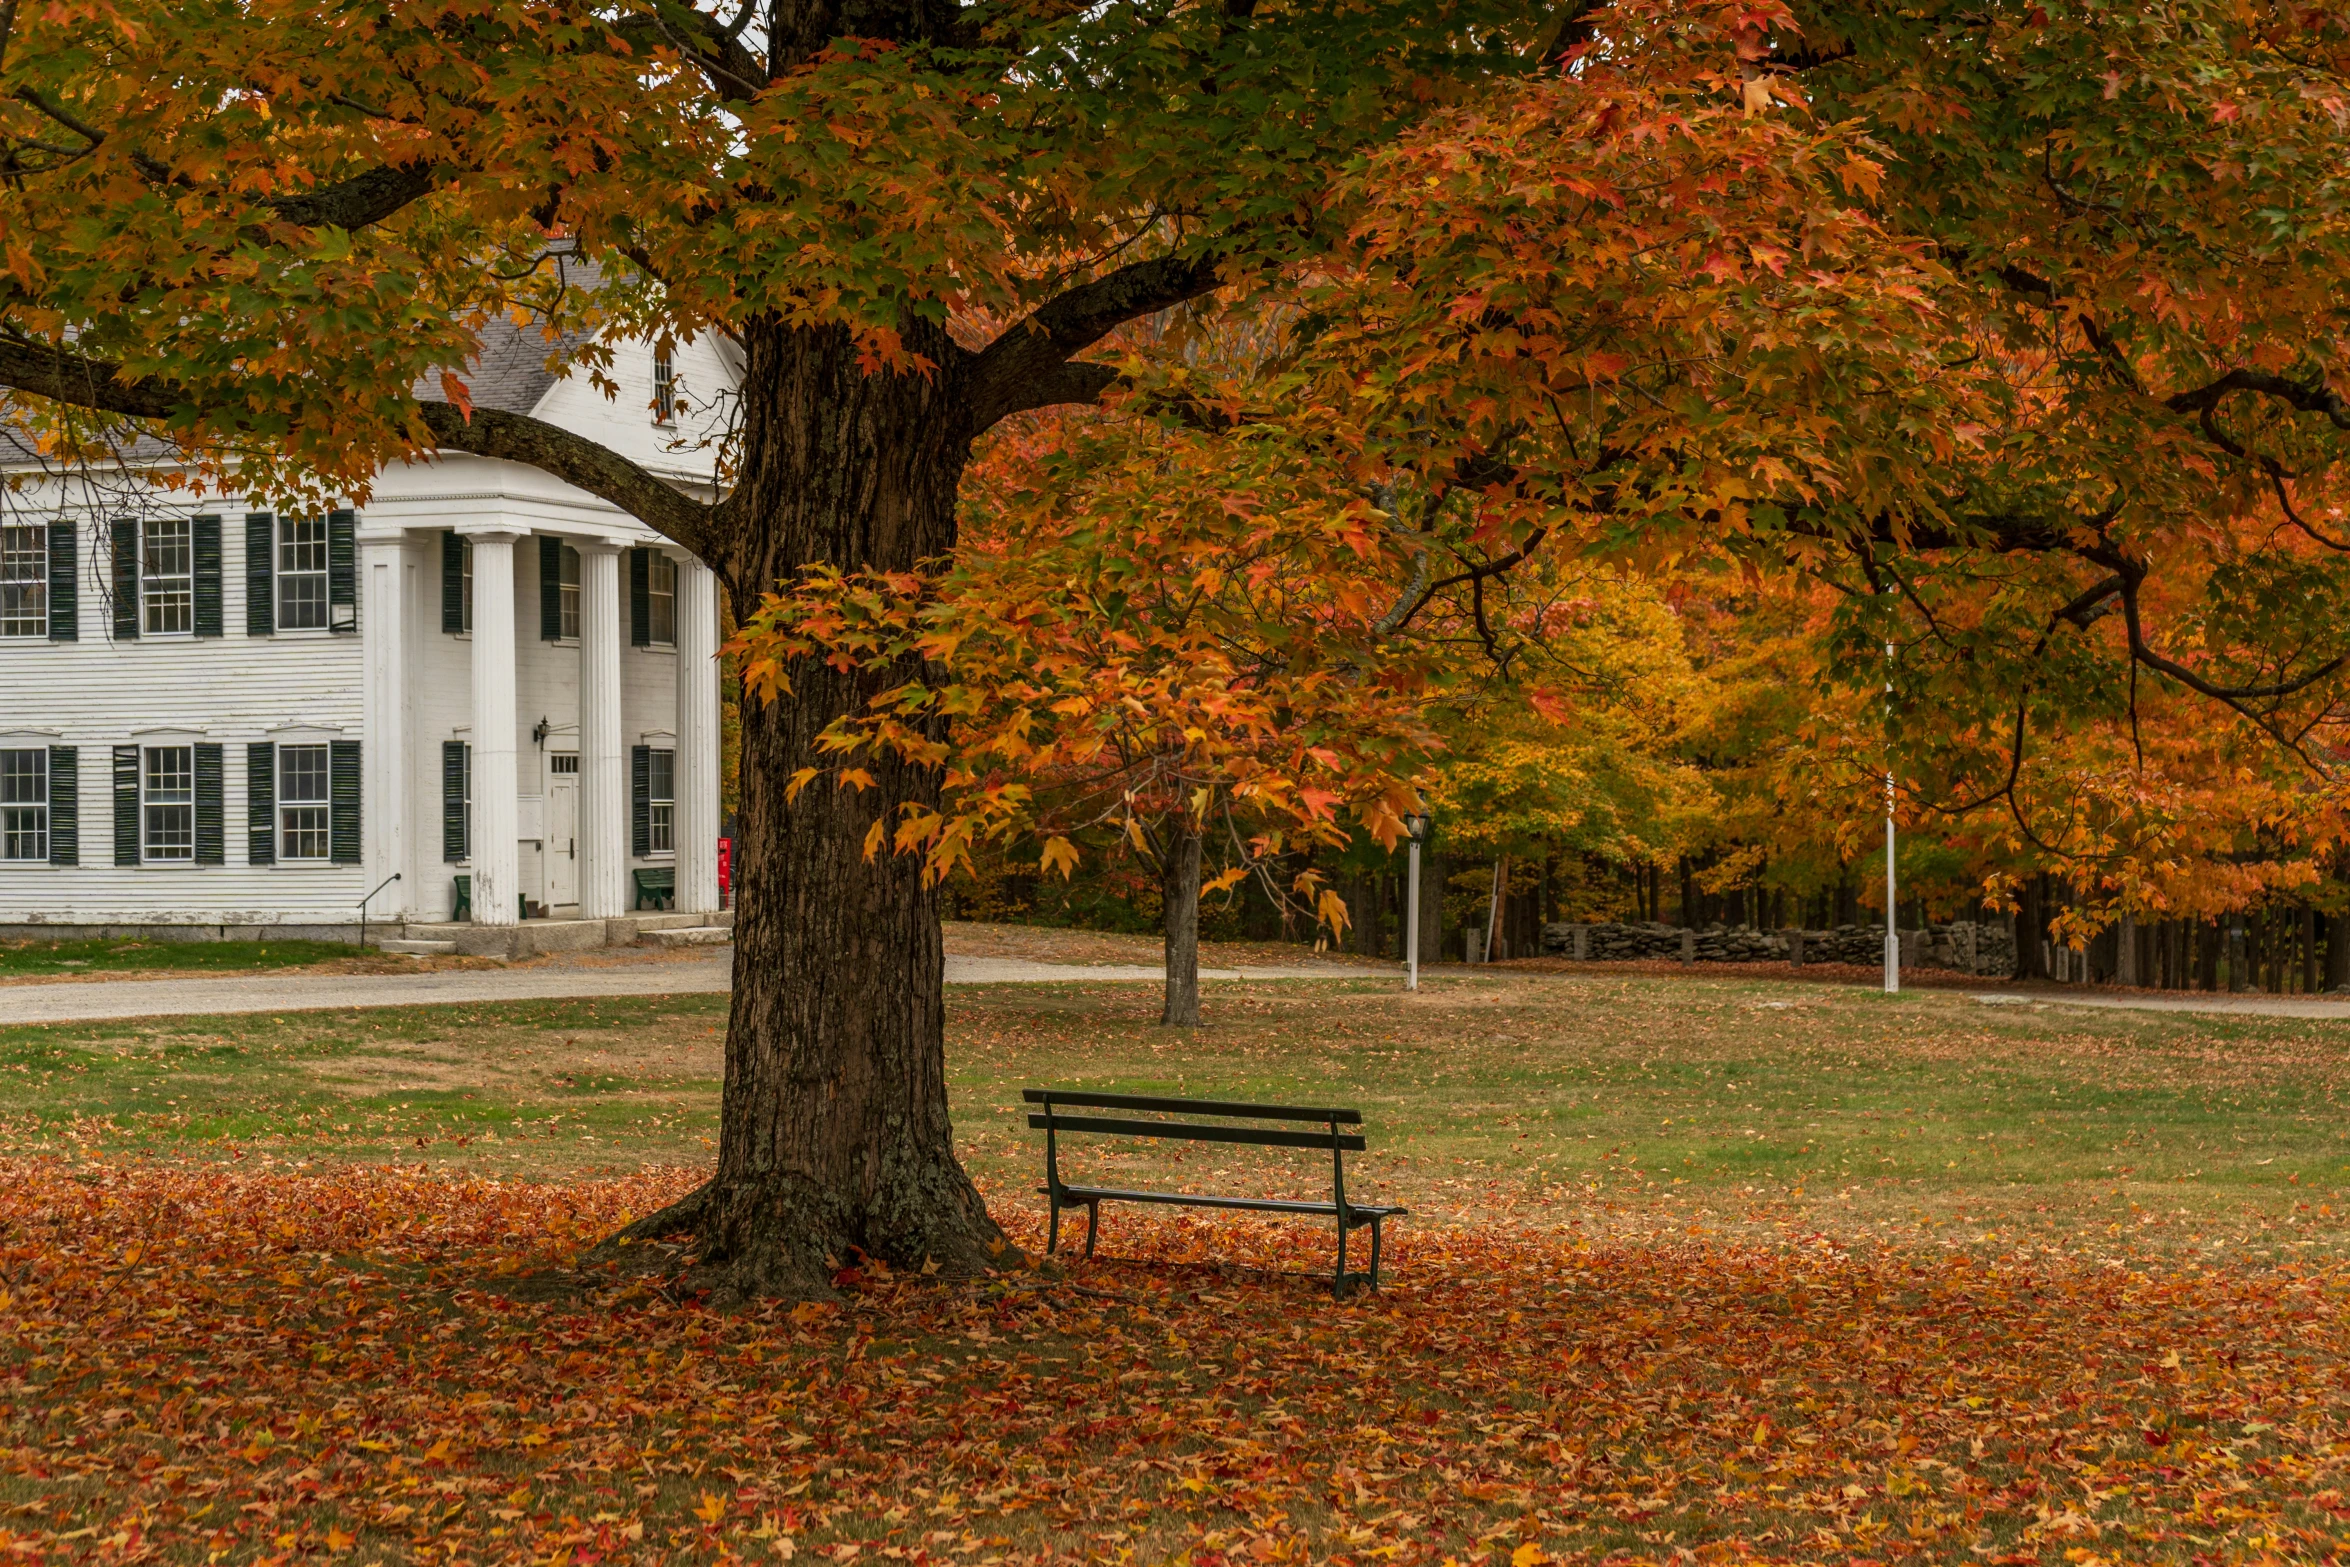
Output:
x=1969 y=947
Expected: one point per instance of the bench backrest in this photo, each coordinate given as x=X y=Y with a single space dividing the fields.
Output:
x=1054 y=1102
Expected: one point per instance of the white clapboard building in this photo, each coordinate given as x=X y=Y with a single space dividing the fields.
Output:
x=222 y=720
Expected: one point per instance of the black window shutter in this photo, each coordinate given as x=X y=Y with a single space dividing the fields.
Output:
x=453 y=761
x=550 y=587
x=204 y=533
x=64 y=591
x=65 y=801
x=640 y=800
x=211 y=831
x=640 y=599
x=126 y=583
x=452 y=583
x=260 y=574
x=342 y=841
x=261 y=803
x=342 y=571
x=126 y=805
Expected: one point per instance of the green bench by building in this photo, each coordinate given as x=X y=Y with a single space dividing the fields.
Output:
x=656 y=885
x=462 y=904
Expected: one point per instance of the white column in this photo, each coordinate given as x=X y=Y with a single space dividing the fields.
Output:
x=383 y=788
x=496 y=869
x=603 y=776
x=697 y=737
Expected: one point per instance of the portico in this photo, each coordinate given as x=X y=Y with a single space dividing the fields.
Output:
x=538 y=776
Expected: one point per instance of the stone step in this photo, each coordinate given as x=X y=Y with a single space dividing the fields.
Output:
x=532 y=937
x=687 y=936
x=417 y=949
x=669 y=919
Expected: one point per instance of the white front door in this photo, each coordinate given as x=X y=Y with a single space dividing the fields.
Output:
x=562 y=843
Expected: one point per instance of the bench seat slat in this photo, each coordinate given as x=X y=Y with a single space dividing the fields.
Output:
x=1187 y=1200
x=1037 y=1096
x=1252 y=1136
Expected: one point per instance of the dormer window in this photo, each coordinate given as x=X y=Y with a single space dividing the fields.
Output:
x=664 y=387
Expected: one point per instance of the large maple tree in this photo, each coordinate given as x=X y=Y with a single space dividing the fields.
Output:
x=258 y=228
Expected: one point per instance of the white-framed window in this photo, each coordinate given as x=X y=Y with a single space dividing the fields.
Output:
x=664 y=387
x=302 y=820
x=24 y=580
x=465 y=583
x=167 y=803
x=567 y=592
x=563 y=764
x=301 y=573
x=661 y=795
x=24 y=804
x=167 y=576
x=661 y=576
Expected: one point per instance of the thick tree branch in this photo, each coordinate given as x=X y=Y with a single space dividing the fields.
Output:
x=576 y=460
x=2238 y=699
x=734 y=72
x=1571 y=24
x=2299 y=394
x=82 y=382
x=1028 y=366
x=361 y=201
x=66 y=377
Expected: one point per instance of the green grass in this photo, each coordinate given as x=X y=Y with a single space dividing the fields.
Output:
x=1739 y=1102
x=1638 y=1101
x=82 y=957
x=547 y=1085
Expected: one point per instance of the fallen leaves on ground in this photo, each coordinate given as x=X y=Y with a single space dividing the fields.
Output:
x=204 y=1364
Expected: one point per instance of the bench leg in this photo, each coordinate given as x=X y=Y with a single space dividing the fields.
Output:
x=1375 y=1254
x=1093 y=1227
x=1052 y=1235
x=1338 y=1286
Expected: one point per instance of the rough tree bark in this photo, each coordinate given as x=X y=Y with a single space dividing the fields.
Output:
x=2031 y=929
x=834 y=1136
x=1179 y=878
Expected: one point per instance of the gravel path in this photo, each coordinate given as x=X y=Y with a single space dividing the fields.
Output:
x=199 y=995
x=2215 y=1005
x=708 y=971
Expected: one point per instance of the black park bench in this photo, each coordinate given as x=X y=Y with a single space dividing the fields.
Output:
x=1052 y=1119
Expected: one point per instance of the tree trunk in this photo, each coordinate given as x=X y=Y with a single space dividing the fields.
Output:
x=834 y=1137
x=1179 y=919
x=2031 y=929
x=1431 y=906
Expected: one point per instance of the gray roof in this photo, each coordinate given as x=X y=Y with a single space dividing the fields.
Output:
x=510 y=372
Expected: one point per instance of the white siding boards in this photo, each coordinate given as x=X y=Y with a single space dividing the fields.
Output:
x=183 y=664
x=218 y=717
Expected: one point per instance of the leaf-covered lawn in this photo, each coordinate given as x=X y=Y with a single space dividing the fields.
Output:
x=208 y=1364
